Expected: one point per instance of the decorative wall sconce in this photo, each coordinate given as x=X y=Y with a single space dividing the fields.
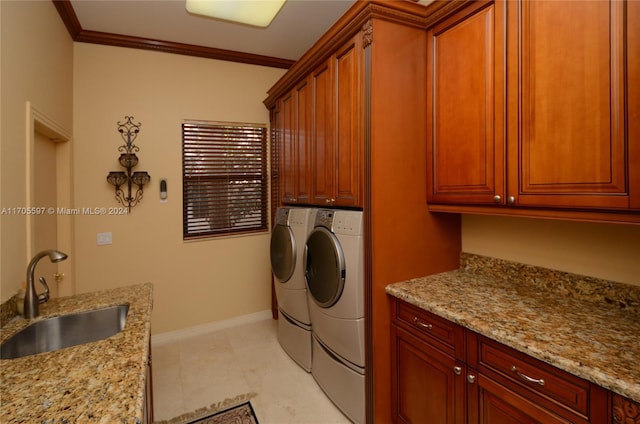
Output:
x=128 y=159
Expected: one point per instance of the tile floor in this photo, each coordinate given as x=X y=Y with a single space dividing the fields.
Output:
x=199 y=371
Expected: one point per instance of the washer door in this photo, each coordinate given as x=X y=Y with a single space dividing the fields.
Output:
x=283 y=252
x=325 y=270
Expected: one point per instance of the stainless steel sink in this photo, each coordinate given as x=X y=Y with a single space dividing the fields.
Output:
x=64 y=331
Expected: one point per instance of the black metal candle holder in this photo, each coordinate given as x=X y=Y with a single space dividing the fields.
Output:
x=128 y=159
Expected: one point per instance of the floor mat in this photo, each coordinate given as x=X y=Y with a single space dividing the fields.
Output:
x=236 y=410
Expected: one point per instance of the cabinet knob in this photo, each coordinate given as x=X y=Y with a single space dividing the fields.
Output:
x=497 y=198
x=511 y=200
x=457 y=370
x=471 y=378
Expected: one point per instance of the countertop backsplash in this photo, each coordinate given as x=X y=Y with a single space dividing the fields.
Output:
x=559 y=283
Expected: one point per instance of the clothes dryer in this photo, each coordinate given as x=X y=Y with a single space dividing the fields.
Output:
x=335 y=281
x=288 y=237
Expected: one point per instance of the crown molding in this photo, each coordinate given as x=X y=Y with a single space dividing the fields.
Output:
x=77 y=33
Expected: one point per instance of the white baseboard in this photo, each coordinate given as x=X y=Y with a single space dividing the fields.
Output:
x=177 y=335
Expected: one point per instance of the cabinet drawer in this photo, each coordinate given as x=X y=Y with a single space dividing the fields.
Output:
x=536 y=376
x=445 y=334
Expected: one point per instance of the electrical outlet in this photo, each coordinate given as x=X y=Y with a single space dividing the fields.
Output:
x=104 y=238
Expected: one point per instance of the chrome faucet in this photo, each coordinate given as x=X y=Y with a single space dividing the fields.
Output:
x=31 y=299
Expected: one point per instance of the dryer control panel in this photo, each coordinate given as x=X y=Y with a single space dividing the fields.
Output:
x=347 y=223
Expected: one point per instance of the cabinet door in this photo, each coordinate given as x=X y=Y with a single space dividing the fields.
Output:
x=286 y=138
x=302 y=142
x=465 y=120
x=348 y=154
x=324 y=161
x=567 y=142
x=426 y=385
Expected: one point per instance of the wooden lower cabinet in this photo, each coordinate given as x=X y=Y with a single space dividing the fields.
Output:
x=625 y=411
x=428 y=370
x=421 y=369
x=147 y=416
x=445 y=374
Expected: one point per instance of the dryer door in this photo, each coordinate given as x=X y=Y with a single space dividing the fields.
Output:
x=325 y=270
x=283 y=252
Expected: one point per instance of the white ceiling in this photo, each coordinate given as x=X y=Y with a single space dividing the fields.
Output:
x=298 y=25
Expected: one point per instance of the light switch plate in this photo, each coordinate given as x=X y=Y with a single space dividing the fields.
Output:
x=104 y=238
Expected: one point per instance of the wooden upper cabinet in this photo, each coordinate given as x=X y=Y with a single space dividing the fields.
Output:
x=286 y=139
x=323 y=139
x=320 y=122
x=293 y=129
x=532 y=105
x=465 y=121
x=303 y=166
x=348 y=145
x=570 y=140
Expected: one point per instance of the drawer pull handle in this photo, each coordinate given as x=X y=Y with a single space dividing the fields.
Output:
x=457 y=370
x=422 y=324
x=526 y=378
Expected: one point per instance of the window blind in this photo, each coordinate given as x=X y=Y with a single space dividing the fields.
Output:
x=224 y=178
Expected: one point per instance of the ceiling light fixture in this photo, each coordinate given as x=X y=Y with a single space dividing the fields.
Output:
x=258 y=13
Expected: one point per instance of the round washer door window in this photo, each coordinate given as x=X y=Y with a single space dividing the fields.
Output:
x=325 y=270
x=283 y=253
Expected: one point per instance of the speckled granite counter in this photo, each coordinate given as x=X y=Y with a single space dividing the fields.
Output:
x=98 y=382
x=585 y=326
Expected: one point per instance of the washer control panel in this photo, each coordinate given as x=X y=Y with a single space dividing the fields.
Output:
x=298 y=216
x=340 y=221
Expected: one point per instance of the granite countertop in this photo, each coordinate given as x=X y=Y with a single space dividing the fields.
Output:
x=585 y=326
x=101 y=382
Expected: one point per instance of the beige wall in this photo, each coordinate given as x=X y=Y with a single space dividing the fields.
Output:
x=608 y=251
x=194 y=282
x=36 y=65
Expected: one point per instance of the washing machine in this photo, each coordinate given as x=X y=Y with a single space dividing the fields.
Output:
x=292 y=226
x=334 y=274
